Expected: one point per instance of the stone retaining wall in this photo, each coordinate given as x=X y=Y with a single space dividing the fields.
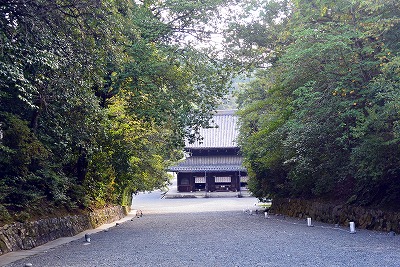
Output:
x=338 y=214
x=22 y=236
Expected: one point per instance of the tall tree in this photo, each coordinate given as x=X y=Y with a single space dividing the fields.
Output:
x=97 y=96
x=339 y=140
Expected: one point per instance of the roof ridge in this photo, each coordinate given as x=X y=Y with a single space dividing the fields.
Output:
x=222 y=112
x=224 y=135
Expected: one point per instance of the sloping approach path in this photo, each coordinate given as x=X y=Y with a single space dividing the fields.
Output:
x=217 y=232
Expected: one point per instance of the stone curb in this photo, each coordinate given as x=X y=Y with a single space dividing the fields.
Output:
x=21 y=254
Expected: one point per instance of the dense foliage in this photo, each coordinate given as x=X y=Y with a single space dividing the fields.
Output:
x=321 y=118
x=96 y=98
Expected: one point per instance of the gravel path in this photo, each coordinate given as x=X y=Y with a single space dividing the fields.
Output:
x=216 y=232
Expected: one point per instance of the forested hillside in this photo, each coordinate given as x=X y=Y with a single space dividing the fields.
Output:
x=96 y=98
x=321 y=118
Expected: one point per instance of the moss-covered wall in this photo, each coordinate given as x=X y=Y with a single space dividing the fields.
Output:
x=21 y=236
x=364 y=218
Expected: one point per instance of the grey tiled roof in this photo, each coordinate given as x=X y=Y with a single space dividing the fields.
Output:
x=222 y=136
x=210 y=163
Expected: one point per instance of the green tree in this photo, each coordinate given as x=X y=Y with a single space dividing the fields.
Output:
x=49 y=62
x=328 y=63
x=98 y=97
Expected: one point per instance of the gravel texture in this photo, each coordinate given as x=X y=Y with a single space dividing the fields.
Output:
x=216 y=232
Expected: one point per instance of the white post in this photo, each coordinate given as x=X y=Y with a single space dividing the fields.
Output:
x=266 y=215
x=251 y=212
x=309 y=224
x=87 y=238
x=352 y=228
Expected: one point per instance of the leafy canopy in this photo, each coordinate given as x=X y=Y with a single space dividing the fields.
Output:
x=320 y=121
